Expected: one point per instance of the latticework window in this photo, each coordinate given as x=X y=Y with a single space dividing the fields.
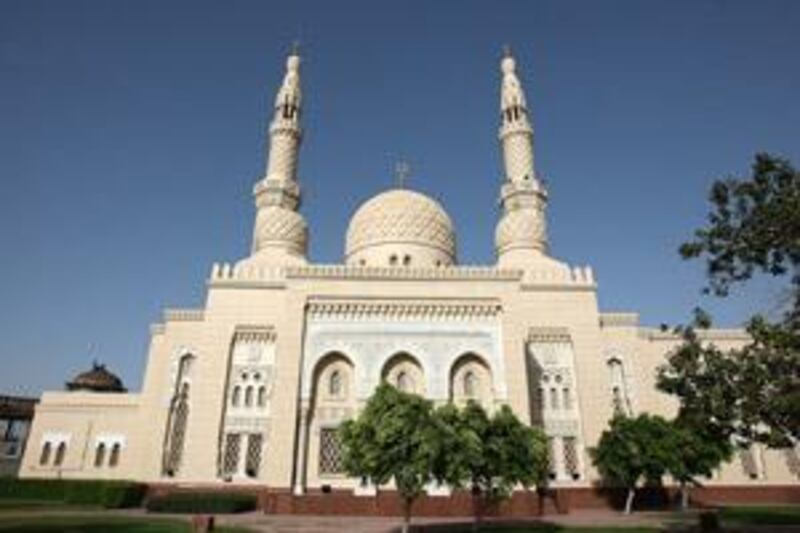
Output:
x=44 y=458
x=177 y=436
x=253 y=459
x=551 y=457
x=793 y=460
x=571 y=457
x=749 y=466
x=330 y=451
x=61 y=451
x=99 y=455
x=230 y=462
x=113 y=459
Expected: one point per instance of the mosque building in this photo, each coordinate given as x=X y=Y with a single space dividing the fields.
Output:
x=249 y=389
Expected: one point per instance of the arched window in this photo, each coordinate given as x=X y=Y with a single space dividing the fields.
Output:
x=236 y=396
x=567 y=399
x=44 y=458
x=335 y=384
x=248 y=396
x=113 y=459
x=99 y=455
x=393 y=260
x=470 y=384
x=176 y=424
x=406 y=260
x=620 y=400
x=61 y=451
x=262 y=396
x=554 y=399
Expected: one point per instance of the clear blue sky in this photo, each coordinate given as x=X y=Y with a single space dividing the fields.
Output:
x=131 y=134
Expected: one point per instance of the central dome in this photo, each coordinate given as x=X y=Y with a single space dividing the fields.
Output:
x=400 y=228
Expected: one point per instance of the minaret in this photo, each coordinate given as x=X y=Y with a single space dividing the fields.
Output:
x=521 y=234
x=281 y=234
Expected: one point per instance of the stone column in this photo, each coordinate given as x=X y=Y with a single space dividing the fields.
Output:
x=301 y=451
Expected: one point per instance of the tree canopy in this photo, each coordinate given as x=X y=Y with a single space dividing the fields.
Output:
x=751 y=393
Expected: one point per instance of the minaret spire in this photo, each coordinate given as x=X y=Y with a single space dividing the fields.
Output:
x=281 y=234
x=521 y=234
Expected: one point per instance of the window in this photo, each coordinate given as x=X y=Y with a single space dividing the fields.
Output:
x=253 y=459
x=335 y=384
x=44 y=458
x=99 y=455
x=113 y=459
x=620 y=401
x=551 y=458
x=235 y=396
x=554 y=399
x=571 y=457
x=61 y=451
x=248 y=396
x=470 y=384
x=407 y=260
x=330 y=452
x=404 y=381
x=540 y=399
x=567 y=399
x=393 y=260
x=262 y=396
x=230 y=462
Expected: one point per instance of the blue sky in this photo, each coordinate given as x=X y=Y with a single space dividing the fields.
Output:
x=131 y=134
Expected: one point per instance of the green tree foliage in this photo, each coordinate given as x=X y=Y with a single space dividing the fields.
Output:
x=635 y=450
x=751 y=393
x=392 y=439
x=399 y=437
x=488 y=455
x=696 y=452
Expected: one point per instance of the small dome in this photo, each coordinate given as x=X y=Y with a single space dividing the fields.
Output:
x=400 y=227
x=98 y=379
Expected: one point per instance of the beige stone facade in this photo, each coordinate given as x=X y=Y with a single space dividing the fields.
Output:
x=250 y=388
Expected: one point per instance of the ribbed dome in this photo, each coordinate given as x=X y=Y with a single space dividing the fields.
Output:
x=98 y=379
x=400 y=228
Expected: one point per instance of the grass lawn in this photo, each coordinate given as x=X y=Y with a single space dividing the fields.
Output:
x=539 y=528
x=758 y=515
x=98 y=524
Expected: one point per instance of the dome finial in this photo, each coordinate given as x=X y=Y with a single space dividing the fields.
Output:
x=295 y=48
x=402 y=170
x=507 y=50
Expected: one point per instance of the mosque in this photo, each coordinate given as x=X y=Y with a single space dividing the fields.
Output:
x=248 y=390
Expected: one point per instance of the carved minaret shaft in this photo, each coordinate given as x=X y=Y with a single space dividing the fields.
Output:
x=280 y=235
x=521 y=234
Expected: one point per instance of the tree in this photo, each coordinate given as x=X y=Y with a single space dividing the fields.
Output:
x=393 y=438
x=489 y=455
x=696 y=452
x=633 y=450
x=752 y=393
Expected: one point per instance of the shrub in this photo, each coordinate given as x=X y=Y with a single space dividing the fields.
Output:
x=202 y=502
x=109 y=494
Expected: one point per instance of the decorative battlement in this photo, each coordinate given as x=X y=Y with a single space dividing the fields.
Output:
x=184 y=315
x=411 y=309
x=278 y=275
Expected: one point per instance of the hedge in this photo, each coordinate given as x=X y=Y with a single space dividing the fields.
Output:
x=109 y=494
x=202 y=502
